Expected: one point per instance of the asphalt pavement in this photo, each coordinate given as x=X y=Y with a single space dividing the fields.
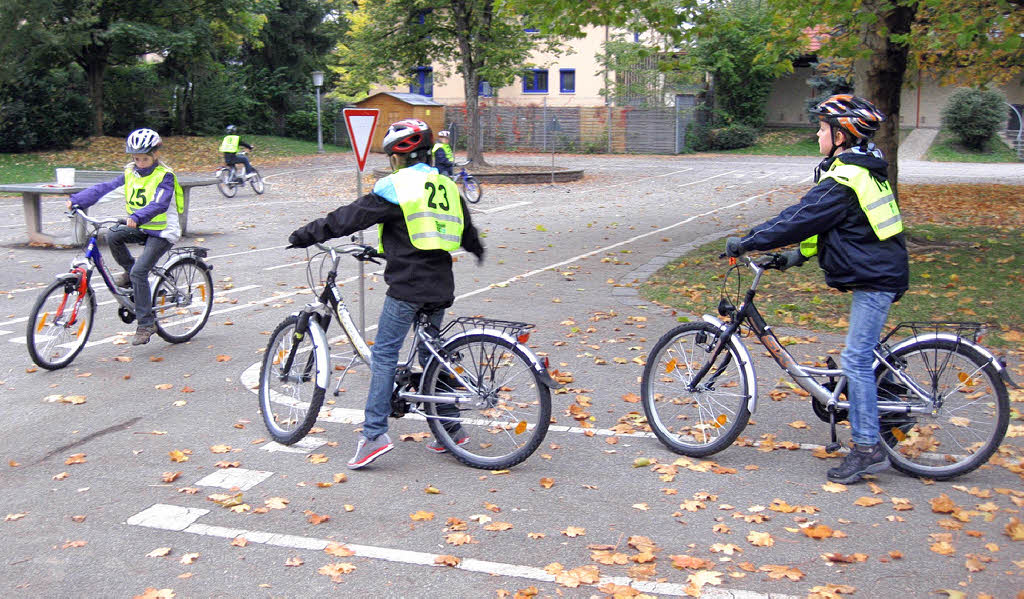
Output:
x=94 y=505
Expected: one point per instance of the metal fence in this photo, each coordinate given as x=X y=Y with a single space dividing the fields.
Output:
x=581 y=128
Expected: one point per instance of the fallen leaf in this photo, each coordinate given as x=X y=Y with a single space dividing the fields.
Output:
x=338 y=550
x=189 y=558
x=760 y=539
x=170 y=477
x=547 y=483
x=778 y=572
x=178 y=456
x=867 y=501
x=239 y=541
x=294 y=561
x=421 y=516
x=78 y=458
x=832 y=487
x=574 y=531
x=447 y=560
x=943 y=504
x=315 y=518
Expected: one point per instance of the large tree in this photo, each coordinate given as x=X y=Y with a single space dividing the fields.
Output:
x=95 y=34
x=483 y=40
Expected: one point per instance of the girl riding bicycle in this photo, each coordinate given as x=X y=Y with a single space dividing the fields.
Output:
x=851 y=221
x=149 y=187
x=421 y=220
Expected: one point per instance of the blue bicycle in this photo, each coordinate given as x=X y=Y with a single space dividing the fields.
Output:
x=62 y=317
x=469 y=187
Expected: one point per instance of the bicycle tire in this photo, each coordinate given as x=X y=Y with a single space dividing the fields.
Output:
x=514 y=410
x=676 y=357
x=44 y=335
x=257 y=183
x=183 y=300
x=470 y=189
x=224 y=183
x=281 y=397
x=971 y=421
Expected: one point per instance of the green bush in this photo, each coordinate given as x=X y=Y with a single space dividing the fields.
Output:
x=974 y=116
x=698 y=137
x=134 y=97
x=732 y=136
x=43 y=110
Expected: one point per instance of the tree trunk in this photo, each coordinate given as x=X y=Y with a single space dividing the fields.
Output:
x=470 y=78
x=94 y=62
x=879 y=78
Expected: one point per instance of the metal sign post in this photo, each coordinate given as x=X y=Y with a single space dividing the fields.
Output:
x=360 y=123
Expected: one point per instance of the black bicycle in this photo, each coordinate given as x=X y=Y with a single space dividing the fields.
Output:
x=479 y=373
x=942 y=399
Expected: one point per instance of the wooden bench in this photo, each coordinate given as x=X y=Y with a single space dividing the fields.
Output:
x=32 y=201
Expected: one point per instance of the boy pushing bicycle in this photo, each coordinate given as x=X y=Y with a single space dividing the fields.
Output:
x=851 y=221
x=421 y=220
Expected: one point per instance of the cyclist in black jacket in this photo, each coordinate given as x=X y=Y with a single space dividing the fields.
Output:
x=850 y=219
x=421 y=221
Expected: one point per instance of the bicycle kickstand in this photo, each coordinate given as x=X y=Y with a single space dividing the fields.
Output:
x=834 y=445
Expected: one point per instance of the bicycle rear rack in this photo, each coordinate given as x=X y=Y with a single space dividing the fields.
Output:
x=465 y=324
x=194 y=250
x=966 y=330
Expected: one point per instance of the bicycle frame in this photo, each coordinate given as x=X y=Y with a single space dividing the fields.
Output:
x=806 y=376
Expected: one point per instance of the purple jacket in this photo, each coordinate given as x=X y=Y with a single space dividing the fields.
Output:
x=159 y=205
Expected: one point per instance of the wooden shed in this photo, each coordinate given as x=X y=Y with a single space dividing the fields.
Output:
x=395 y=106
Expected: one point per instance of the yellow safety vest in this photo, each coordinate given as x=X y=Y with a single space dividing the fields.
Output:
x=432 y=208
x=875 y=198
x=447 y=150
x=139 y=191
x=230 y=143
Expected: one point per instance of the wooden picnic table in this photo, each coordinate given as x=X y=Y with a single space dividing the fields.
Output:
x=32 y=201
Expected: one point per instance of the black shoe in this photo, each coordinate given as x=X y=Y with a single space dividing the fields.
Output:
x=142 y=335
x=862 y=459
x=123 y=280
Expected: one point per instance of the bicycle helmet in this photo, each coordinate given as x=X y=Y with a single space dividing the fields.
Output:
x=445 y=133
x=855 y=116
x=142 y=141
x=231 y=129
x=407 y=136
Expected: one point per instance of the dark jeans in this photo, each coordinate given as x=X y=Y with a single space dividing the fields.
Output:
x=239 y=160
x=118 y=238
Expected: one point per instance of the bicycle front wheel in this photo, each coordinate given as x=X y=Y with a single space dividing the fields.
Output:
x=60 y=323
x=470 y=189
x=182 y=300
x=968 y=409
x=224 y=183
x=257 y=183
x=510 y=409
x=707 y=418
x=290 y=399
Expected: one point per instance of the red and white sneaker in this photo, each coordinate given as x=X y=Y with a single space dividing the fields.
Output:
x=461 y=438
x=369 y=450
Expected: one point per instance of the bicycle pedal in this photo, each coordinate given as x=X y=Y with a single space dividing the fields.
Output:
x=833 y=447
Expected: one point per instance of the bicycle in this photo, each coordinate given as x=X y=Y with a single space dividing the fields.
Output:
x=62 y=317
x=469 y=187
x=942 y=398
x=229 y=179
x=479 y=368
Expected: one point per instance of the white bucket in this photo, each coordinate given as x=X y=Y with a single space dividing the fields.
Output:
x=65 y=176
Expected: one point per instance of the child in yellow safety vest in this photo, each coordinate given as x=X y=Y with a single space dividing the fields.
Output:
x=154 y=201
x=851 y=221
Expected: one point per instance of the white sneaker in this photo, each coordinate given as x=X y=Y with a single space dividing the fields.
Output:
x=250 y=175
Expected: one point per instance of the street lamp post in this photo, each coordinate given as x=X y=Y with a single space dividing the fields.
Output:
x=318 y=81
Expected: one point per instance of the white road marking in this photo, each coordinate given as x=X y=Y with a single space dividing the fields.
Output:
x=500 y=208
x=710 y=178
x=231 y=478
x=175 y=518
x=303 y=445
x=276 y=247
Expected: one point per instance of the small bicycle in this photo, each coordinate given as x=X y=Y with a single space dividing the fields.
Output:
x=479 y=373
x=469 y=187
x=62 y=317
x=229 y=179
x=942 y=398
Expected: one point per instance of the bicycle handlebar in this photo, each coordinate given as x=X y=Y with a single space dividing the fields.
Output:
x=770 y=261
x=99 y=222
x=358 y=251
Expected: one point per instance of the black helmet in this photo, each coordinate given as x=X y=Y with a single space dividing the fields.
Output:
x=855 y=116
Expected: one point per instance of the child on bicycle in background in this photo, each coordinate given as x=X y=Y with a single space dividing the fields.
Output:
x=420 y=220
x=229 y=145
x=154 y=201
x=850 y=219
x=443 y=155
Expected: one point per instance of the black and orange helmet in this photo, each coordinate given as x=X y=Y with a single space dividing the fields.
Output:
x=853 y=115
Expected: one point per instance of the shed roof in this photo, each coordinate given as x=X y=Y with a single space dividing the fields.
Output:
x=412 y=99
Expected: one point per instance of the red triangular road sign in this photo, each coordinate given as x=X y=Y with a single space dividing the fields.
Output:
x=360 y=123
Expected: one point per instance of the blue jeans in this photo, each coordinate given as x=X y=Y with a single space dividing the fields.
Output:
x=868 y=312
x=243 y=160
x=138 y=269
x=396 y=318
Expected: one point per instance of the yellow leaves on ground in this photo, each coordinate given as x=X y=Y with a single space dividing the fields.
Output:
x=421 y=516
x=13 y=517
x=335 y=570
x=726 y=548
x=432 y=490
x=683 y=562
x=832 y=487
x=698 y=579
x=447 y=560
x=178 y=455
x=276 y=503
x=547 y=482
x=317 y=458
x=159 y=552
x=315 y=518
x=170 y=477
x=152 y=593
x=223 y=358
x=163 y=386
x=220 y=448
x=1015 y=530
x=819 y=531
x=778 y=572
x=574 y=531
x=943 y=504
x=294 y=561
x=459 y=538
x=867 y=501
x=77 y=458
x=498 y=526
x=760 y=539
x=831 y=591
x=588 y=574
x=338 y=550
x=239 y=542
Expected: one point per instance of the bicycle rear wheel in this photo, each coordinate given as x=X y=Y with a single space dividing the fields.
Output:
x=60 y=323
x=968 y=410
x=290 y=399
x=470 y=189
x=183 y=300
x=224 y=183
x=704 y=420
x=511 y=408
x=257 y=182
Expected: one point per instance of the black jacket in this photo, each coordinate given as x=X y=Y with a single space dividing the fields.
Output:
x=413 y=275
x=849 y=252
x=442 y=164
